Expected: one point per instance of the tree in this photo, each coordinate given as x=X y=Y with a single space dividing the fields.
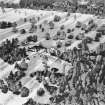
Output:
x=68 y=30
x=78 y=24
x=57 y=18
x=24 y=92
x=2 y=7
x=58 y=33
x=62 y=27
x=9 y=24
x=30 y=101
x=22 y=31
x=29 y=38
x=5 y=89
x=35 y=38
x=1 y=83
x=40 y=92
x=97 y=39
x=14 y=25
x=70 y=36
x=23 y=3
x=32 y=38
x=59 y=44
x=99 y=34
x=3 y=25
x=51 y=25
x=43 y=29
x=75 y=3
x=55 y=37
x=89 y=39
x=33 y=26
x=11 y=75
x=47 y=36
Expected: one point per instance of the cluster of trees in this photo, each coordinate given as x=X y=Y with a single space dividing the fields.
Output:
x=83 y=64
x=10 y=51
x=93 y=77
x=3 y=87
x=33 y=38
x=32 y=3
x=64 y=5
x=31 y=101
x=61 y=35
x=9 y=5
x=5 y=24
x=48 y=4
x=12 y=83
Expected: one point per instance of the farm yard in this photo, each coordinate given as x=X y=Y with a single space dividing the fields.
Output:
x=51 y=58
